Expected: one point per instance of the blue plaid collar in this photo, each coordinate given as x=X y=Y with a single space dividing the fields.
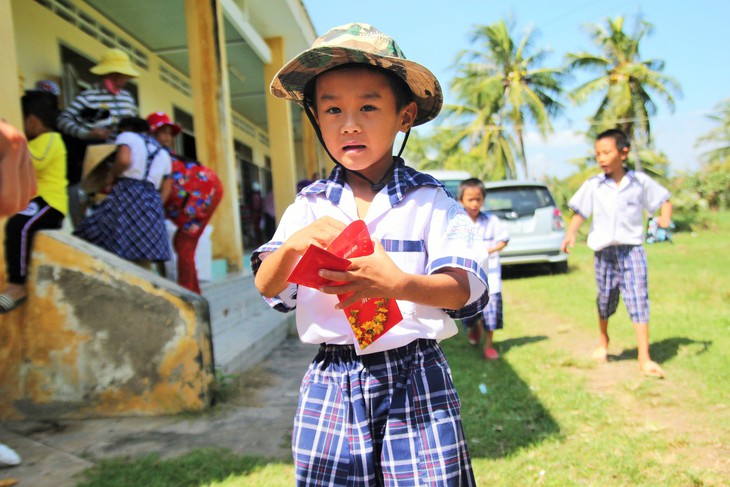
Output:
x=404 y=180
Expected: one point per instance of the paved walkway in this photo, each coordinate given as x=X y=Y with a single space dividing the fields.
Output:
x=255 y=420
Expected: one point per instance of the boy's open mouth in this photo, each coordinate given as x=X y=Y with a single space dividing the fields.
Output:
x=353 y=147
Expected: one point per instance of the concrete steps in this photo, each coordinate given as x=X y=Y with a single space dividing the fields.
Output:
x=245 y=329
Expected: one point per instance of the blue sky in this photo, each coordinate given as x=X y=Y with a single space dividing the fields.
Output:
x=691 y=37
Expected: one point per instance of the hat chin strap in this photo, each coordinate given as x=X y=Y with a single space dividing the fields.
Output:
x=376 y=187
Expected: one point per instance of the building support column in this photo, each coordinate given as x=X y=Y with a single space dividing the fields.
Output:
x=9 y=76
x=213 y=125
x=281 y=134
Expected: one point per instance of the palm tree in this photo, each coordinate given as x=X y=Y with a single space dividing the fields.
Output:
x=501 y=87
x=719 y=137
x=626 y=83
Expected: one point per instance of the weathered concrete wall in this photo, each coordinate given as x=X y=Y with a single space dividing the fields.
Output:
x=99 y=336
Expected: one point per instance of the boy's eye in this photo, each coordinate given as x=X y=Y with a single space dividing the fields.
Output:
x=333 y=110
x=368 y=108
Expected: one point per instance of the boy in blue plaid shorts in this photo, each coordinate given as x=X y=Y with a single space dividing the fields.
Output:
x=617 y=200
x=490 y=233
x=387 y=414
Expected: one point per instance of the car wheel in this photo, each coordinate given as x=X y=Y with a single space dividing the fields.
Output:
x=560 y=267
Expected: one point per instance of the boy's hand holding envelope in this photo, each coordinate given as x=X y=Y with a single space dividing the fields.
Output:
x=360 y=272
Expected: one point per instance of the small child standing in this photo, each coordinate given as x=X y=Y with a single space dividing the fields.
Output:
x=617 y=200
x=492 y=234
x=388 y=414
x=48 y=208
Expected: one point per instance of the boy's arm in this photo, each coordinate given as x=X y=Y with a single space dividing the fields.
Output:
x=571 y=232
x=665 y=215
x=17 y=177
x=377 y=276
x=271 y=276
x=497 y=247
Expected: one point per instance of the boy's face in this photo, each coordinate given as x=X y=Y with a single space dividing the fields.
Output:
x=472 y=201
x=609 y=157
x=32 y=127
x=355 y=110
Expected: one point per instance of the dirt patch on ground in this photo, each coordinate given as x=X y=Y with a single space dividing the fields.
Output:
x=696 y=435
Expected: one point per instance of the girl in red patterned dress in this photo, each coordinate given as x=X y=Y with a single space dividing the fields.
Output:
x=196 y=192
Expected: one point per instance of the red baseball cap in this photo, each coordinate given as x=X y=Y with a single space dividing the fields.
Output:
x=160 y=119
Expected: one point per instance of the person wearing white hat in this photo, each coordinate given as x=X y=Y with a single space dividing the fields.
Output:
x=93 y=115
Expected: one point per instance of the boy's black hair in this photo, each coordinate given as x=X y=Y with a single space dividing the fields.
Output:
x=402 y=93
x=134 y=124
x=471 y=183
x=41 y=104
x=618 y=136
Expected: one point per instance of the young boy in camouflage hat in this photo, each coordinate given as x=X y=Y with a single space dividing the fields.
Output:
x=387 y=414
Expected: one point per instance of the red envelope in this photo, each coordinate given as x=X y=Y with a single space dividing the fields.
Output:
x=370 y=318
x=306 y=272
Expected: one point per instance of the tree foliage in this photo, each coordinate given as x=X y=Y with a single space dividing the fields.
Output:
x=501 y=87
x=628 y=85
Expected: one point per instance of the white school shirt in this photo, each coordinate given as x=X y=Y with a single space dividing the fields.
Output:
x=488 y=231
x=422 y=232
x=617 y=209
x=140 y=147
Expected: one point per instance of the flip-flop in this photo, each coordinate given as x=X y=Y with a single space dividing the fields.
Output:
x=652 y=369
x=8 y=304
x=491 y=354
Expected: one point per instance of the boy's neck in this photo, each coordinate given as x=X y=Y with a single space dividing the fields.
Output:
x=40 y=132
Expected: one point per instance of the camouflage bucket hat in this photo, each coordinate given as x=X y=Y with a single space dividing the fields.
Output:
x=359 y=44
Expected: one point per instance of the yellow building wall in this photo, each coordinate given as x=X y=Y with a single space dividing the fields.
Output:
x=39 y=34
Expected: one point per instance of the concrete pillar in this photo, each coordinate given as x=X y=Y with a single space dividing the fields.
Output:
x=213 y=126
x=9 y=76
x=281 y=135
x=309 y=145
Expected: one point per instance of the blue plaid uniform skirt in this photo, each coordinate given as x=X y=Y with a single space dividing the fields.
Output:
x=622 y=269
x=384 y=419
x=491 y=317
x=130 y=222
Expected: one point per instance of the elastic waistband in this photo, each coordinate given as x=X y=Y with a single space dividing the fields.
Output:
x=419 y=343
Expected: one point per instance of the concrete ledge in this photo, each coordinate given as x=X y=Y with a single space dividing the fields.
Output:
x=99 y=336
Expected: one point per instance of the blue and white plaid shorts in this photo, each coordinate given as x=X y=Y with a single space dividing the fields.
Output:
x=386 y=419
x=622 y=269
x=491 y=317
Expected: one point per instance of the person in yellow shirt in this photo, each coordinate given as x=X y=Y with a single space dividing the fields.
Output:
x=48 y=208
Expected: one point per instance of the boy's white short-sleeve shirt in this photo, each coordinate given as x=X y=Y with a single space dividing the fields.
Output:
x=140 y=148
x=488 y=231
x=422 y=230
x=617 y=209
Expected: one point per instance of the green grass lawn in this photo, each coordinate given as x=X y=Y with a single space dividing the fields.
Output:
x=550 y=415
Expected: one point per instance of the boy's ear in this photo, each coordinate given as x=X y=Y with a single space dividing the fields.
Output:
x=624 y=153
x=408 y=116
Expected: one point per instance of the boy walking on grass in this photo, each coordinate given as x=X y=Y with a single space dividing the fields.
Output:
x=387 y=414
x=617 y=200
x=491 y=234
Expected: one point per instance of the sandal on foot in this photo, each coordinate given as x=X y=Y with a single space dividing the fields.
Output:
x=652 y=369
x=600 y=355
x=8 y=304
x=491 y=354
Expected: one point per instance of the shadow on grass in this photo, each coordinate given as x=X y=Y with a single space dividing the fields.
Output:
x=199 y=467
x=509 y=416
x=665 y=350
